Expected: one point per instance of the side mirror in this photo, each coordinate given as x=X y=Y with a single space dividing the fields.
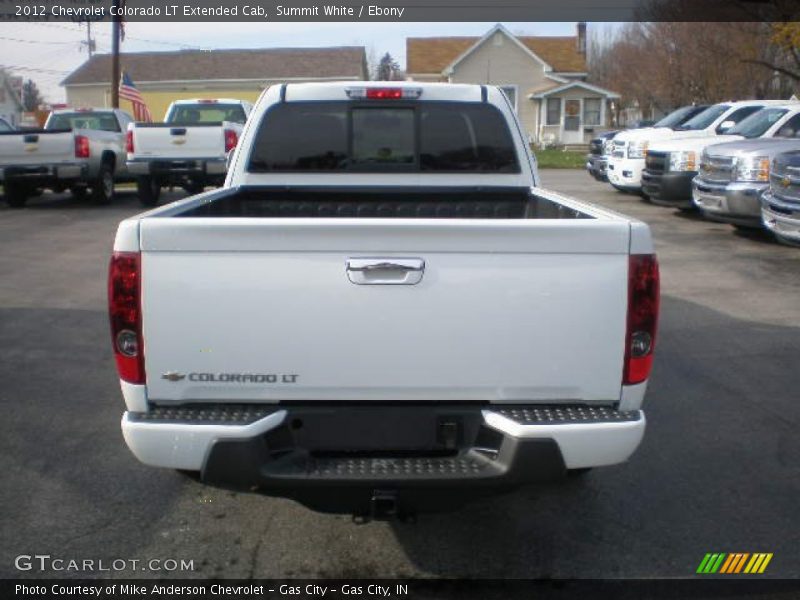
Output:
x=725 y=125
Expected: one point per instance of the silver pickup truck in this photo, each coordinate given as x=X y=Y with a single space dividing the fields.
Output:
x=733 y=175
x=780 y=202
x=80 y=150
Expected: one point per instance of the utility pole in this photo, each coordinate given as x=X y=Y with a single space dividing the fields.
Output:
x=115 y=74
x=89 y=41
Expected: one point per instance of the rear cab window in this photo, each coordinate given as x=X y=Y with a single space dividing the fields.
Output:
x=100 y=121
x=210 y=112
x=383 y=137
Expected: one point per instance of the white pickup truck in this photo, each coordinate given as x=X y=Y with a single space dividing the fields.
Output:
x=78 y=149
x=672 y=166
x=382 y=312
x=188 y=149
x=627 y=160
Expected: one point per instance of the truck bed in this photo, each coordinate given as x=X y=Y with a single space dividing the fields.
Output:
x=378 y=203
x=497 y=288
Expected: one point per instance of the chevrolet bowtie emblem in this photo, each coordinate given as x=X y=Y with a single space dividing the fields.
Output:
x=173 y=376
x=786 y=182
x=178 y=141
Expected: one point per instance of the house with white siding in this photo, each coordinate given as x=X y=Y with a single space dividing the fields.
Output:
x=544 y=78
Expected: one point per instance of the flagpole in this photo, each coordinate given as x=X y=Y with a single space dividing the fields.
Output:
x=115 y=74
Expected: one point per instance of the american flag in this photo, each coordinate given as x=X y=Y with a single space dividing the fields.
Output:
x=128 y=91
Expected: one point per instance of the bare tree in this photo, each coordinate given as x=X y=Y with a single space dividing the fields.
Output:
x=31 y=97
x=387 y=68
x=667 y=64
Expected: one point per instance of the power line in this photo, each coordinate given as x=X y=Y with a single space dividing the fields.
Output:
x=128 y=37
x=32 y=69
x=9 y=39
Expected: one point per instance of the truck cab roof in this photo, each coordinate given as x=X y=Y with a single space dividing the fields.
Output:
x=759 y=126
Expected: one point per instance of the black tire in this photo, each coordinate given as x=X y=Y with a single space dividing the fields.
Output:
x=16 y=195
x=573 y=473
x=193 y=475
x=194 y=187
x=78 y=192
x=149 y=190
x=103 y=186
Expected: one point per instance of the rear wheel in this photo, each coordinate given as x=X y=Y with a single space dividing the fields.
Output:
x=149 y=190
x=16 y=195
x=103 y=188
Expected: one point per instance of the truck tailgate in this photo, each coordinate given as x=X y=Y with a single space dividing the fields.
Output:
x=164 y=140
x=243 y=309
x=36 y=147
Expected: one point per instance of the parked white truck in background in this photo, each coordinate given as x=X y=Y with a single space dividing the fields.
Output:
x=627 y=161
x=78 y=149
x=601 y=147
x=382 y=312
x=671 y=166
x=188 y=149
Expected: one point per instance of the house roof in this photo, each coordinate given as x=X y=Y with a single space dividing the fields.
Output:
x=434 y=54
x=549 y=91
x=201 y=65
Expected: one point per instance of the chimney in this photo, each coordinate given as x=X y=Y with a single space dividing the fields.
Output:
x=582 y=37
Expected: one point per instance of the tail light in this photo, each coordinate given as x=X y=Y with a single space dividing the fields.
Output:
x=231 y=139
x=643 y=300
x=81 y=146
x=129 y=141
x=125 y=312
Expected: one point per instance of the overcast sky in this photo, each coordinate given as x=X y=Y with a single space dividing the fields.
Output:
x=47 y=52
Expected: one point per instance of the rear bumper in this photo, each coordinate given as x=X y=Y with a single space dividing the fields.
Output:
x=178 y=167
x=44 y=174
x=669 y=189
x=308 y=452
x=736 y=202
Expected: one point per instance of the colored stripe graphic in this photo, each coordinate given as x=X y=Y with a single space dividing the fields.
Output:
x=728 y=562
x=711 y=562
x=703 y=563
x=734 y=563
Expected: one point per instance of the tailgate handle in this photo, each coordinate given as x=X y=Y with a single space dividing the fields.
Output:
x=30 y=139
x=177 y=131
x=385 y=271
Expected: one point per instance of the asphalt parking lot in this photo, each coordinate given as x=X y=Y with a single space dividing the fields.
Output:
x=718 y=470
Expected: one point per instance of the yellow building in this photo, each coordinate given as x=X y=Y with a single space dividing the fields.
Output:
x=162 y=77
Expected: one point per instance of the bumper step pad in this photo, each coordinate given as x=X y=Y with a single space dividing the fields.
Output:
x=213 y=414
x=552 y=415
x=381 y=468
